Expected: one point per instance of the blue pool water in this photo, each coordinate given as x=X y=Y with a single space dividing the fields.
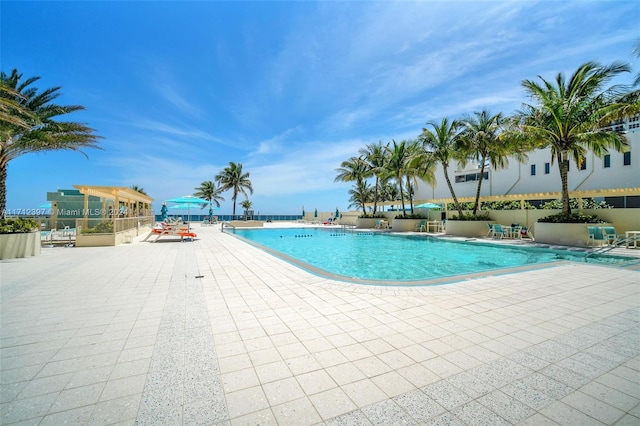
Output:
x=376 y=256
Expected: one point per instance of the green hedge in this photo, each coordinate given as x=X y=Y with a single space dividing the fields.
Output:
x=101 y=228
x=576 y=217
x=18 y=225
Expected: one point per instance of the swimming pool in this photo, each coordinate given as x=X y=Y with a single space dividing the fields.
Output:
x=363 y=255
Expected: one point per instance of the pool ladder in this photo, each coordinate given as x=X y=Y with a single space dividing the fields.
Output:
x=605 y=249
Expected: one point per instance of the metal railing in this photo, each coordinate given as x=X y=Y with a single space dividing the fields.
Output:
x=111 y=226
x=615 y=244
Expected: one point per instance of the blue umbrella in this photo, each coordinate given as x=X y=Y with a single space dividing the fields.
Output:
x=428 y=206
x=163 y=211
x=189 y=201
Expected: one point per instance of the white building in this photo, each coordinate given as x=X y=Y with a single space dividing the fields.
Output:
x=539 y=174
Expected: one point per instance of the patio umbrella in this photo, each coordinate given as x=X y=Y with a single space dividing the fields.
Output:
x=303 y=211
x=163 y=211
x=337 y=212
x=188 y=201
x=315 y=213
x=428 y=206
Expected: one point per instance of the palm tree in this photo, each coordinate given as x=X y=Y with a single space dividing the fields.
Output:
x=390 y=191
x=419 y=164
x=246 y=205
x=138 y=189
x=360 y=195
x=11 y=112
x=442 y=143
x=352 y=170
x=208 y=191
x=355 y=170
x=627 y=104
x=28 y=124
x=480 y=140
x=566 y=117
x=231 y=177
x=400 y=155
x=375 y=157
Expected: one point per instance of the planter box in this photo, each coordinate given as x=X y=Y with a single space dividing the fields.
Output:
x=95 y=240
x=366 y=223
x=467 y=228
x=405 y=225
x=563 y=234
x=13 y=246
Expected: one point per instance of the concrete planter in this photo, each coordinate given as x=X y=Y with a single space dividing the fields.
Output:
x=95 y=240
x=405 y=225
x=18 y=245
x=366 y=222
x=563 y=234
x=467 y=228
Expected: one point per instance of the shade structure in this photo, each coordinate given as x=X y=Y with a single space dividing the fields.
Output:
x=188 y=201
x=428 y=206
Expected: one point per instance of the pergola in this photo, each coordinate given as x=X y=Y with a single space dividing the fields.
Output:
x=593 y=193
x=121 y=196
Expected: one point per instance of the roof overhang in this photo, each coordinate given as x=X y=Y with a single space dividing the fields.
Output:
x=120 y=193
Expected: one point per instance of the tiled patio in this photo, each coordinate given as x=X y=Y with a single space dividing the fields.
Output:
x=218 y=332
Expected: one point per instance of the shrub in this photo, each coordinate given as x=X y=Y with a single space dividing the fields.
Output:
x=587 y=203
x=17 y=225
x=575 y=217
x=101 y=228
x=372 y=216
x=409 y=216
x=469 y=216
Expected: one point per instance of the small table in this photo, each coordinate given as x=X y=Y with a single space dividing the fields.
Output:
x=435 y=224
x=630 y=234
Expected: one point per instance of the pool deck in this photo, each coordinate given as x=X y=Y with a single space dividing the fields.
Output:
x=216 y=331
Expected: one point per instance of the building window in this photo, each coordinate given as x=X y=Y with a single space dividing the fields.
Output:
x=627 y=158
x=607 y=161
x=471 y=177
x=533 y=170
x=547 y=168
x=583 y=164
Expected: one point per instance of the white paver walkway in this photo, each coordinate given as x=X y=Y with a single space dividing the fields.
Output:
x=218 y=332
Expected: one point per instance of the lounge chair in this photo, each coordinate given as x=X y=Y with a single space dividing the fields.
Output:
x=490 y=232
x=611 y=235
x=422 y=226
x=499 y=231
x=595 y=234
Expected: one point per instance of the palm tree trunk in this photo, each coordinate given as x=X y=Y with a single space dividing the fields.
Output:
x=409 y=194
x=401 y=194
x=375 y=197
x=475 y=205
x=235 y=195
x=563 y=164
x=3 y=190
x=453 y=194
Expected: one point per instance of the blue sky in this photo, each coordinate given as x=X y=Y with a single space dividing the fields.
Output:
x=287 y=88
